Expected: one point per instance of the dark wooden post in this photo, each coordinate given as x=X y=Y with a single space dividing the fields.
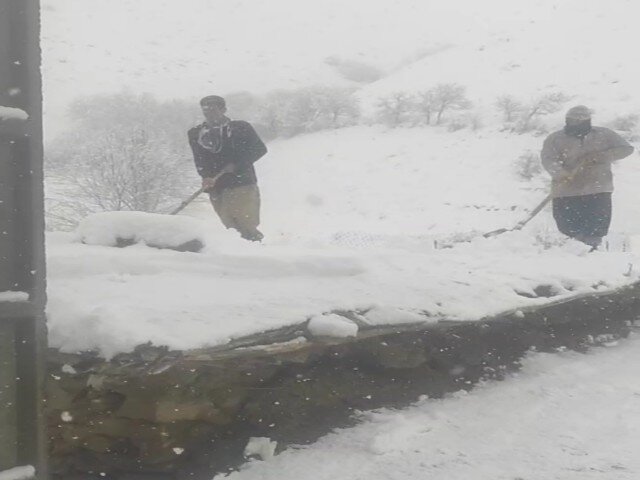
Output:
x=22 y=265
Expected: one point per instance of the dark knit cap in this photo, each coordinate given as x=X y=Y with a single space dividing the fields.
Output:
x=579 y=112
x=213 y=100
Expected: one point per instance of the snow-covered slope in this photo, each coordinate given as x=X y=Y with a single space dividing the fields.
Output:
x=191 y=48
x=583 y=49
x=351 y=215
x=350 y=218
x=188 y=48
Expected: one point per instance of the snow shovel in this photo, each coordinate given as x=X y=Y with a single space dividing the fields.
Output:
x=540 y=207
x=521 y=223
x=187 y=201
x=196 y=194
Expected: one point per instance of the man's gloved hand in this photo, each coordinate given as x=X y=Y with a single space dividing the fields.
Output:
x=583 y=163
x=208 y=183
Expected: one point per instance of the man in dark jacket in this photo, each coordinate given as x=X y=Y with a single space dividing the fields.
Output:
x=224 y=151
x=579 y=158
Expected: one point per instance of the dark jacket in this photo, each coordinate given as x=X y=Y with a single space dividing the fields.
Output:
x=240 y=146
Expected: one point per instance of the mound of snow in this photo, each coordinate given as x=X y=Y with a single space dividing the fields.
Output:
x=126 y=228
x=261 y=447
x=332 y=325
x=10 y=113
x=13 y=296
x=18 y=473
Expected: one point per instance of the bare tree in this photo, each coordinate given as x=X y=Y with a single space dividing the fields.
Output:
x=127 y=171
x=270 y=113
x=317 y=108
x=340 y=107
x=544 y=105
x=627 y=125
x=449 y=96
x=125 y=153
x=395 y=109
x=302 y=112
x=425 y=105
x=527 y=166
x=291 y=112
x=509 y=107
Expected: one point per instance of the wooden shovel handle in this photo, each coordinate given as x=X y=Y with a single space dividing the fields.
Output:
x=195 y=194
x=549 y=197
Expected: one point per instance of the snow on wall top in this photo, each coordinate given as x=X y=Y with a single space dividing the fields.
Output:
x=18 y=473
x=13 y=296
x=11 y=113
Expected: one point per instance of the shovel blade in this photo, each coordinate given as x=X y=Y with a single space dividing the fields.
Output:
x=496 y=232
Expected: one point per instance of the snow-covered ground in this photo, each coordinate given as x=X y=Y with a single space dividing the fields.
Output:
x=566 y=416
x=350 y=218
x=350 y=215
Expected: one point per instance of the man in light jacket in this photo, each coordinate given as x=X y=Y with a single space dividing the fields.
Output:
x=579 y=158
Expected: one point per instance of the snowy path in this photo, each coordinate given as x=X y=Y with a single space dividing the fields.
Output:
x=564 y=416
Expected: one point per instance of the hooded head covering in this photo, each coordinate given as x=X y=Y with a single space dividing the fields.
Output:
x=579 y=112
x=578 y=121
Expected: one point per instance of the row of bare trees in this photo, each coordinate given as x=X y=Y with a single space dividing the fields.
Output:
x=524 y=117
x=285 y=113
x=433 y=105
x=129 y=152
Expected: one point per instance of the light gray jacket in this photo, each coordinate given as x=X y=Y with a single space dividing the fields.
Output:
x=562 y=154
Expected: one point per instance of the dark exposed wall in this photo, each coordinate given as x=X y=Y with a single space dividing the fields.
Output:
x=22 y=268
x=130 y=414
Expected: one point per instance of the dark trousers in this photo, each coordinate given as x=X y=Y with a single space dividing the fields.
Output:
x=585 y=217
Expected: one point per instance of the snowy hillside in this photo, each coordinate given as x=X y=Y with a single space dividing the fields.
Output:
x=575 y=47
x=350 y=215
x=350 y=219
x=189 y=48
x=377 y=223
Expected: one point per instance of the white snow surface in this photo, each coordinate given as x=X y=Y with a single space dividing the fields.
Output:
x=14 y=296
x=105 y=228
x=332 y=325
x=566 y=416
x=262 y=447
x=350 y=217
x=11 y=113
x=18 y=473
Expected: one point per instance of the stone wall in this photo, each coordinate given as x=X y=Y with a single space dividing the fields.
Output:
x=157 y=414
